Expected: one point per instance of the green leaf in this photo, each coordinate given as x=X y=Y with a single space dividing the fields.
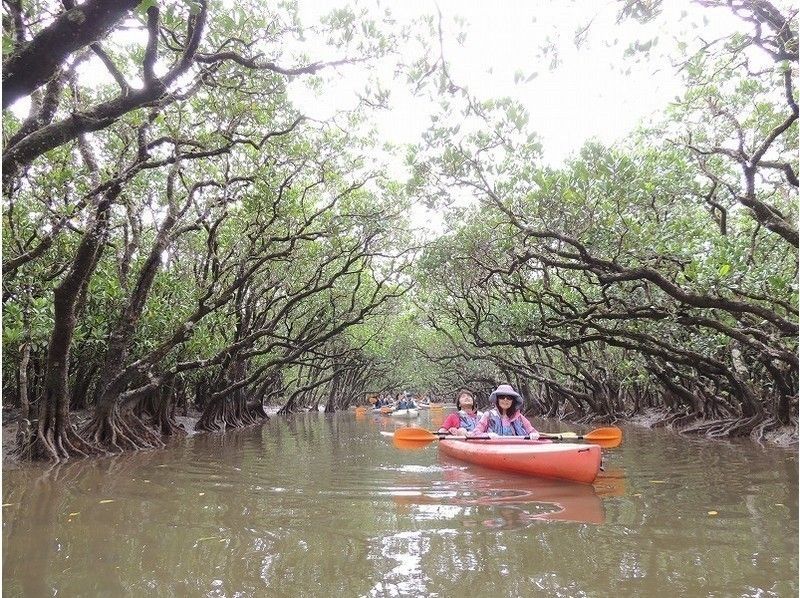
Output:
x=144 y=5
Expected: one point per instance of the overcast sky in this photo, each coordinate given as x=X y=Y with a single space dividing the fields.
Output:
x=594 y=91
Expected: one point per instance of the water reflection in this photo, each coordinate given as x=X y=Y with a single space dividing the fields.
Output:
x=519 y=501
x=316 y=504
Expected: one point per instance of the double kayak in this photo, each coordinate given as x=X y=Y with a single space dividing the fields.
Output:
x=540 y=458
x=405 y=413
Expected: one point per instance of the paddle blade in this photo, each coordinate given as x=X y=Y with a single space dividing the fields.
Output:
x=607 y=444
x=609 y=434
x=414 y=434
x=409 y=445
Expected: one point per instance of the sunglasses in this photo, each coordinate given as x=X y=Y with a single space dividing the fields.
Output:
x=505 y=398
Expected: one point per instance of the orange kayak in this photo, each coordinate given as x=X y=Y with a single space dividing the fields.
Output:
x=540 y=458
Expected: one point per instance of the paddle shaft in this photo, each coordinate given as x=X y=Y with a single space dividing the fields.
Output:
x=601 y=434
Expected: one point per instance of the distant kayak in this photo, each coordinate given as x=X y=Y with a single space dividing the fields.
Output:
x=540 y=458
x=405 y=413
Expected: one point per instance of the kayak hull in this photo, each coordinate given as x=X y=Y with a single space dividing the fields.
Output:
x=540 y=458
x=405 y=413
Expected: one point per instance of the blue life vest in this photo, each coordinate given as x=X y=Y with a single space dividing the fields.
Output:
x=496 y=425
x=468 y=422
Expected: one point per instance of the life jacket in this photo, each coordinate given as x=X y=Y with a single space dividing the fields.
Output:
x=496 y=425
x=468 y=422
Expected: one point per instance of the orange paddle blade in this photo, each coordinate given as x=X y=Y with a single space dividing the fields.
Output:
x=607 y=444
x=416 y=434
x=409 y=445
x=611 y=433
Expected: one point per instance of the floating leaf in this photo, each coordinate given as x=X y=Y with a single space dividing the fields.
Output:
x=713 y=513
x=102 y=502
x=73 y=514
x=658 y=481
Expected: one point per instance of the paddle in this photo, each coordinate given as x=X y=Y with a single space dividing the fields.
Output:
x=605 y=435
x=422 y=435
x=609 y=434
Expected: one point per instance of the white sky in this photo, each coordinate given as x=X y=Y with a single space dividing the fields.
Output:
x=587 y=95
x=594 y=92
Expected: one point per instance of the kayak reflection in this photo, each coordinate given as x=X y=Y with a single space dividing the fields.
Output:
x=511 y=501
x=610 y=482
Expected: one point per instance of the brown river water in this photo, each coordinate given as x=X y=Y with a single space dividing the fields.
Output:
x=316 y=505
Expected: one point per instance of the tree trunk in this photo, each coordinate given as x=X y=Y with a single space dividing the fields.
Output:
x=332 y=391
x=104 y=428
x=55 y=438
x=37 y=61
x=24 y=405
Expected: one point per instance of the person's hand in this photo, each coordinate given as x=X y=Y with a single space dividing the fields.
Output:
x=453 y=431
x=534 y=435
x=493 y=435
x=460 y=432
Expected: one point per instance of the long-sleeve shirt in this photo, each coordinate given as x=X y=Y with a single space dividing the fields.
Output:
x=453 y=421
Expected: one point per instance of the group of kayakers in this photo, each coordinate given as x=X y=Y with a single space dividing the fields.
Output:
x=406 y=402
x=504 y=418
x=403 y=401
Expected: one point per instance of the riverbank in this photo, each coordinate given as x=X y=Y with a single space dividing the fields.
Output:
x=783 y=437
x=79 y=418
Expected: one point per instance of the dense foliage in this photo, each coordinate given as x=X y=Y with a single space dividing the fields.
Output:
x=176 y=232
x=658 y=275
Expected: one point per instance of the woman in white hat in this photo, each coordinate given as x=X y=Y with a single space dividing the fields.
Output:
x=505 y=418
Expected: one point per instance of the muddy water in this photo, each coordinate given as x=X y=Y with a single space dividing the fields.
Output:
x=323 y=505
